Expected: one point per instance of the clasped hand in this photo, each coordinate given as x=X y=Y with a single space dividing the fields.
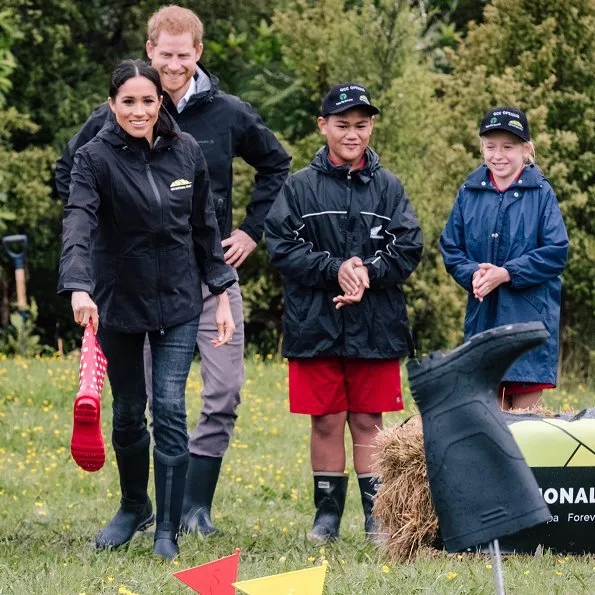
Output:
x=487 y=278
x=354 y=280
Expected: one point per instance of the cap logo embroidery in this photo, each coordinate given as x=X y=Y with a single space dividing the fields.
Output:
x=180 y=184
x=364 y=99
x=515 y=124
x=343 y=96
x=494 y=121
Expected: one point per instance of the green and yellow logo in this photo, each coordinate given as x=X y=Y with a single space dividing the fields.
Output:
x=180 y=184
x=515 y=124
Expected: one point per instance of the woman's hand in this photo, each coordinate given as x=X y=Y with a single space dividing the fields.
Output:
x=223 y=320
x=84 y=309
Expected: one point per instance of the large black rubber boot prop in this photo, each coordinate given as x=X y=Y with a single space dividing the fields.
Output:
x=170 y=478
x=329 y=499
x=368 y=487
x=201 y=482
x=481 y=486
x=136 y=512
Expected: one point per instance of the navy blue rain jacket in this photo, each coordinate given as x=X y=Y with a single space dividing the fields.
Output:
x=520 y=229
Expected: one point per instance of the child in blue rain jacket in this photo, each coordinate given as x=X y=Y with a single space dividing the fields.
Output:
x=505 y=242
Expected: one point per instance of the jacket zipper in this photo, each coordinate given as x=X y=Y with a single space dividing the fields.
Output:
x=160 y=204
x=495 y=233
x=349 y=217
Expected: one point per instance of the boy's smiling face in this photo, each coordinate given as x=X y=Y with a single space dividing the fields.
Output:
x=347 y=134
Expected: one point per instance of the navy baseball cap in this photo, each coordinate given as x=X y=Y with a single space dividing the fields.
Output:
x=509 y=119
x=345 y=96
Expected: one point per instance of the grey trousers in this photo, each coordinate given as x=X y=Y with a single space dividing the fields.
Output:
x=222 y=371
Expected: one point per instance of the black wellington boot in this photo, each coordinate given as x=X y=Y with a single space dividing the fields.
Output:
x=135 y=513
x=170 y=477
x=201 y=481
x=481 y=486
x=329 y=498
x=368 y=486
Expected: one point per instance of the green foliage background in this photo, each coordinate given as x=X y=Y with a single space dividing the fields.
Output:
x=433 y=66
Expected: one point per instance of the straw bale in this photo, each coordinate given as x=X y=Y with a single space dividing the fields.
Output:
x=403 y=505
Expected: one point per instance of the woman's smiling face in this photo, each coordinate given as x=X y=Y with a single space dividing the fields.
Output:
x=136 y=107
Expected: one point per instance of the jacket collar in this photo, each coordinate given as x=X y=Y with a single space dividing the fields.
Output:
x=115 y=135
x=322 y=163
x=531 y=177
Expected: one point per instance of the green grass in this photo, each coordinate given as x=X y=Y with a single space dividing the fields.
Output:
x=50 y=510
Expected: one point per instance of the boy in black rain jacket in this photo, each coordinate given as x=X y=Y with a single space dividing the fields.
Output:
x=343 y=234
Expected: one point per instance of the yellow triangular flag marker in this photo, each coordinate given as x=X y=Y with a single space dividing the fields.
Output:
x=300 y=582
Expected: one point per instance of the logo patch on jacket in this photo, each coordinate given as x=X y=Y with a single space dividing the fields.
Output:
x=180 y=184
x=375 y=232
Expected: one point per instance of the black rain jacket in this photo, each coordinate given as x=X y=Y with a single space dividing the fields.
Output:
x=225 y=127
x=324 y=216
x=139 y=231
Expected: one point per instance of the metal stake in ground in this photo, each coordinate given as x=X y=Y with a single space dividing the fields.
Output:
x=16 y=246
x=494 y=547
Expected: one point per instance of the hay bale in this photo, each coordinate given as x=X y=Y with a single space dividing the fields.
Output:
x=403 y=504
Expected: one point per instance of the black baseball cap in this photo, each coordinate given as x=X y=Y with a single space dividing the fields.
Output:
x=509 y=119
x=345 y=96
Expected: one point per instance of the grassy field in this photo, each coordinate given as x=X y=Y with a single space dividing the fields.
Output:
x=50 y=510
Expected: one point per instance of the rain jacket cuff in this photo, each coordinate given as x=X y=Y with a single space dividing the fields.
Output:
x=255 y=234
x=220 y=283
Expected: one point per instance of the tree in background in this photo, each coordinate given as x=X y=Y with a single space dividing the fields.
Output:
x=25 y=206
x=540 y=56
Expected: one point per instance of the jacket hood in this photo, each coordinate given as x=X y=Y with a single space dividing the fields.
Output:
x=114 y=134
x=322 y=163
x=531 y=177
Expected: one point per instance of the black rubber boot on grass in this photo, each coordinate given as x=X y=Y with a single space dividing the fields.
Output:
x=368 y=486
x=170 y=477
x=201 y=481
x=135 y=513
x=329 y=498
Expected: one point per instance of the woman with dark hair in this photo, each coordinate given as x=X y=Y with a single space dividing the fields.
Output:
x=139 y=234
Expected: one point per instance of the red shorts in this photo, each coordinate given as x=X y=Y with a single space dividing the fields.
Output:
x=512 y=389
x=325 y=385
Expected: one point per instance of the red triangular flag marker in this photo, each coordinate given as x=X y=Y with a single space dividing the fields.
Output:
x=86 y=444
x=213 y=578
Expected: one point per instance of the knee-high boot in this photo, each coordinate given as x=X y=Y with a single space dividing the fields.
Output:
x=170 y=477
x=329 y=498
x=481 y=486
x=368 y=486
x=136 y=512
x=201 y=481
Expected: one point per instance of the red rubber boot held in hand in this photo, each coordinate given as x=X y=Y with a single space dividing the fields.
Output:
x=87 y=446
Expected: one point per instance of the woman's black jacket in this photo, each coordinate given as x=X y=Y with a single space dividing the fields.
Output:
x=140 y=232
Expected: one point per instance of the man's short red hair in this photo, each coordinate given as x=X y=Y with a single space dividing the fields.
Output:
x=175 y=20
